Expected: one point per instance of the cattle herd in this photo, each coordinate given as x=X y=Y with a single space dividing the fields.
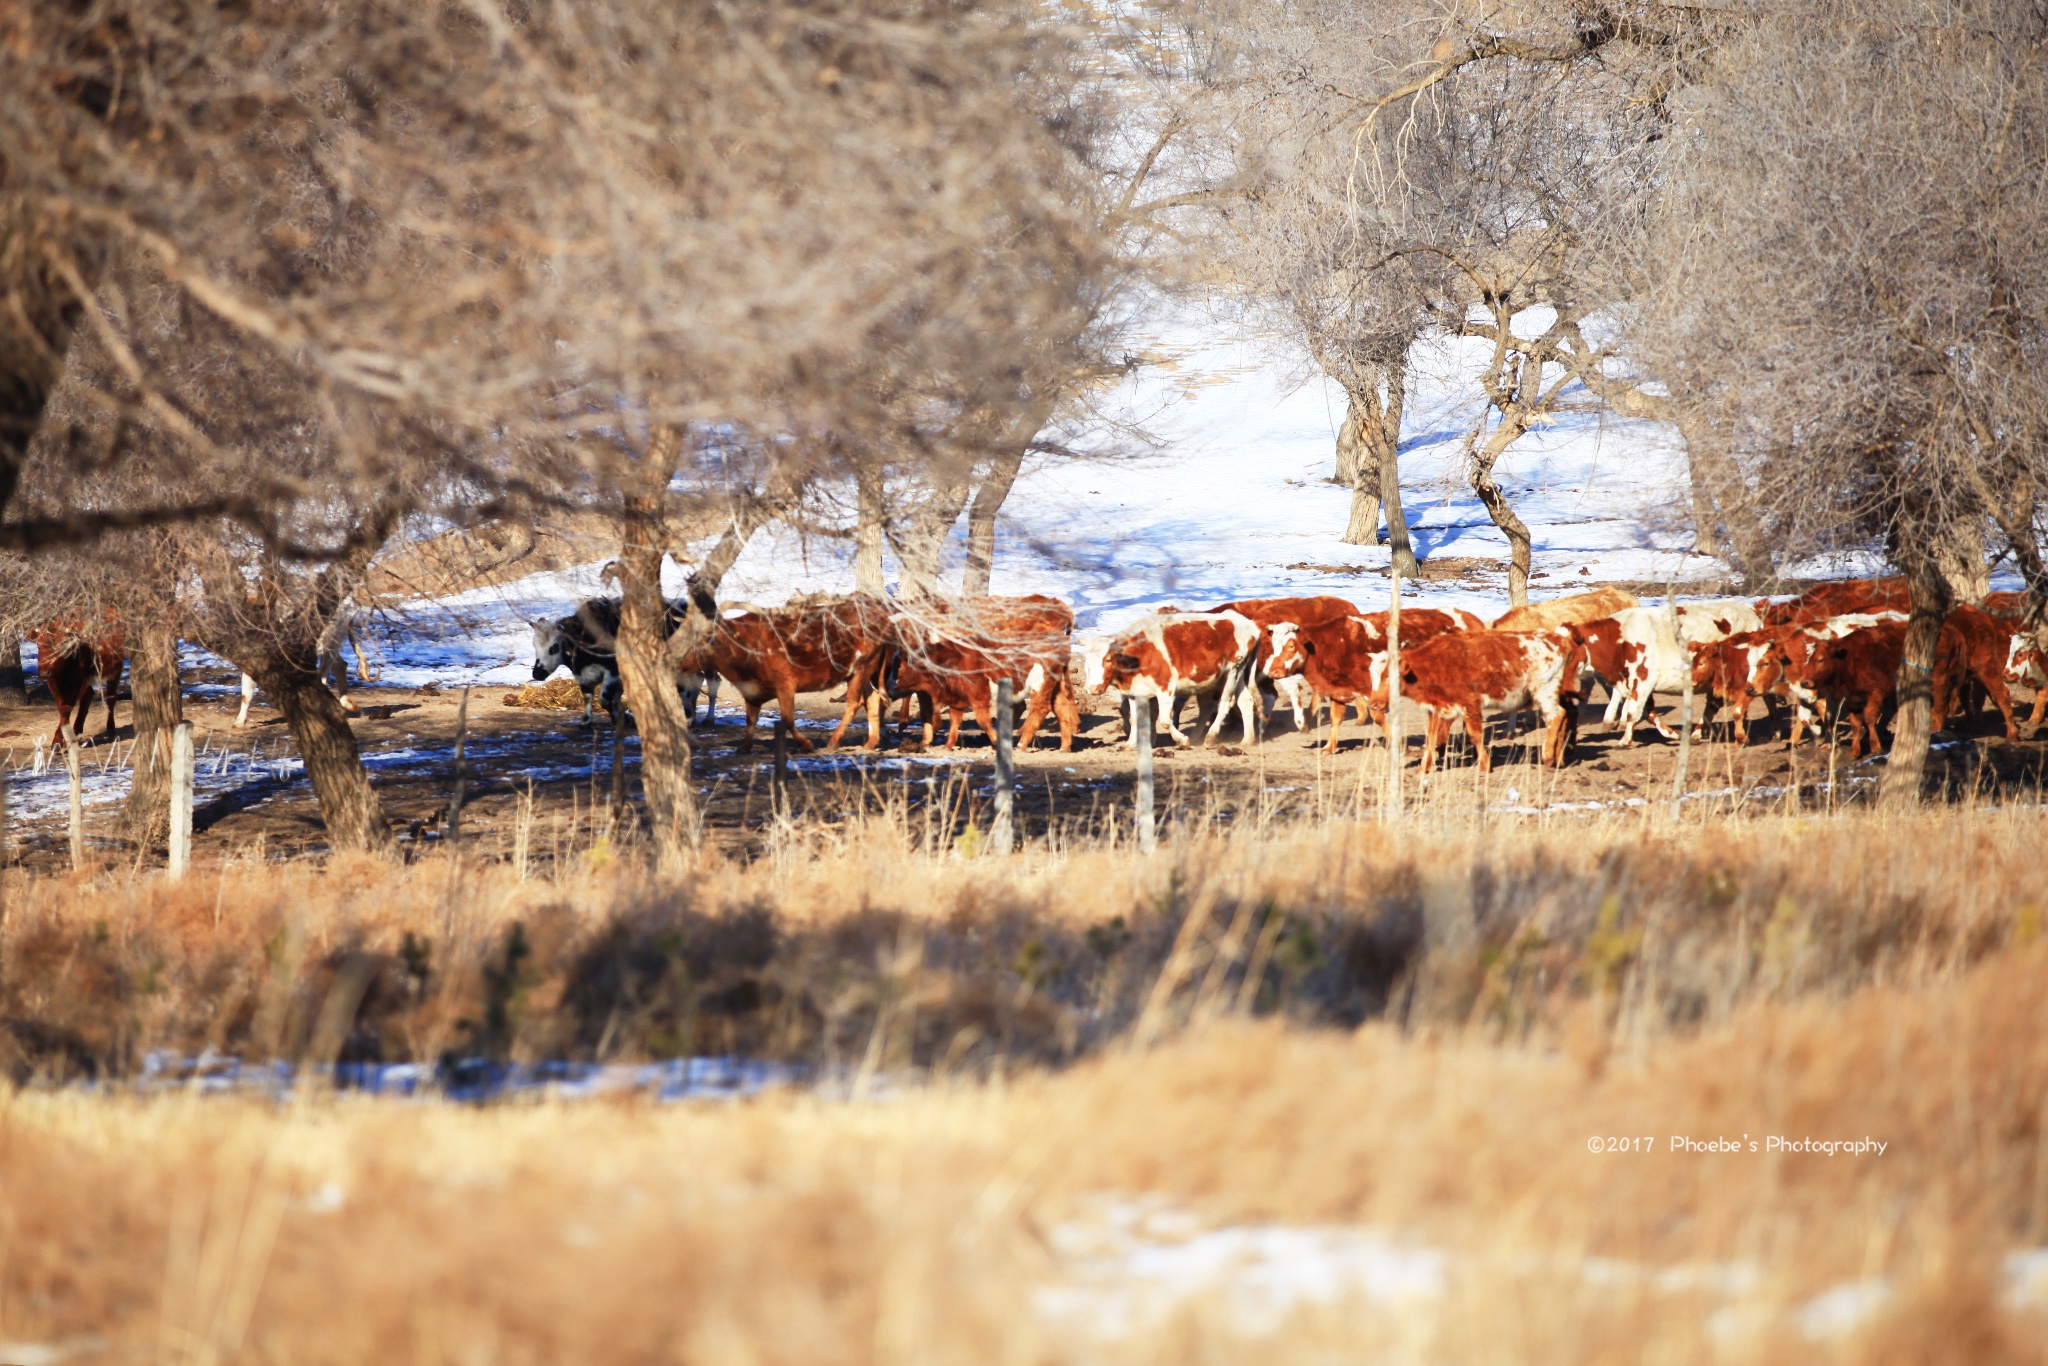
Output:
x=1832 y=653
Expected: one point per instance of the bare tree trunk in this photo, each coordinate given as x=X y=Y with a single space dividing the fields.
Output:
x=1496 y=503
x=650 y=681
x=1706 y=534
x=13 y=680
x=1961 y=556
x=1358 y=467
x=867 y=529
x=348 y=804
x=981 y=518
x=1913 y=726
x=1389 y=439
x=159 y=706
x=920 y=544
x=749 y=517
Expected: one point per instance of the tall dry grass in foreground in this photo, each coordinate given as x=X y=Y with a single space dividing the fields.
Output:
x=858 y=946
x=1522 y=991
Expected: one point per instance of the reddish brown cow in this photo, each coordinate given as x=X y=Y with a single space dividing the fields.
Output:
x=1343 y=659
x=1463 y=673
x=957 y=669
x=1974 y=646
x=1725 y=672
x=1858 y=671
x=785 y=651
x=1301 y=613
x=72 y=655
x=1837 y=598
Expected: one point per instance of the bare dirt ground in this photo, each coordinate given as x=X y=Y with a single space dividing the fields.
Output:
x=511 y=753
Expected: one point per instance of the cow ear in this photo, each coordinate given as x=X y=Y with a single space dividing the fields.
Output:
x=1124 y=661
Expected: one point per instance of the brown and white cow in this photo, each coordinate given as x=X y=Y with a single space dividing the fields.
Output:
x=1345 y=660
x=2027 y=667
x=957 y=656
x=1299 y=613
x=1467 y=673
x=73 y=655
x=1168 y=656
x=784 y=651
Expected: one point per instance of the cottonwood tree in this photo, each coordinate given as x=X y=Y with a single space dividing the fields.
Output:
x=1853 y=287
x=1491 y=171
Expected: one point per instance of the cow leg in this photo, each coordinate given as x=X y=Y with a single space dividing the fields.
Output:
x=878 y=720
x=753 y=706
x=248 y=696
x=1995 y=689
x=1248 y=713
x=2040 y=710
x=1180 y=737
x=785 y=698
x=1068 y=709
x=110 y=687
x=1475 y=730
x=955 y=716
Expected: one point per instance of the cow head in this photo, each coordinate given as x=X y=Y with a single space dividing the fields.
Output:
x=1119 y=668
x=1094 y=660
x=1290 y=651
x=2024 y=664
x=550 y=649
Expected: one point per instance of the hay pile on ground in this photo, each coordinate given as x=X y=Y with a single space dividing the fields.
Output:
x=557 y=694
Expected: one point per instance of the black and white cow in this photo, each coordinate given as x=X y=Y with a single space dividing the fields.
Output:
x=584 y=643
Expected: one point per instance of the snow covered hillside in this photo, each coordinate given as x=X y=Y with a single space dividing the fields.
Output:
x=1234 y=499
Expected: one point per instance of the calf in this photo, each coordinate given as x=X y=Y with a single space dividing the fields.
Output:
x=1207 y=655
x=1464 y=673
x=73 y=656
x=1344 y=659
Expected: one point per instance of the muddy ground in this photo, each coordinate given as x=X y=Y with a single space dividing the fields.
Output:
x=256 y=802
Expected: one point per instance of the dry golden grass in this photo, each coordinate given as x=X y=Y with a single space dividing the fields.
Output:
x=1832 y=979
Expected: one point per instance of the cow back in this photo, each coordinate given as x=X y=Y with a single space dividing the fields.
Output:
x=1566 y=611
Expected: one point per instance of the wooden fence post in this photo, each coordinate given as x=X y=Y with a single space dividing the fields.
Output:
x=77 y=804
x=1390 y=804
x=182 y=765
x=780 y=781
x=1002 y=834
x=461 y=735
x=1141 y=733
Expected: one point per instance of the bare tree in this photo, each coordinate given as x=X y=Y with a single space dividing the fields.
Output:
x=1853 y=287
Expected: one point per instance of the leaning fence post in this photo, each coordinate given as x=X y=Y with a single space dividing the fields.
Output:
x=181 y=798
x=1001 y=836
x=1141 y=734
x=77 y=804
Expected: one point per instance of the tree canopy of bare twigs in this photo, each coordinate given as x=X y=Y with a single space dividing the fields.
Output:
x=1850 y=284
